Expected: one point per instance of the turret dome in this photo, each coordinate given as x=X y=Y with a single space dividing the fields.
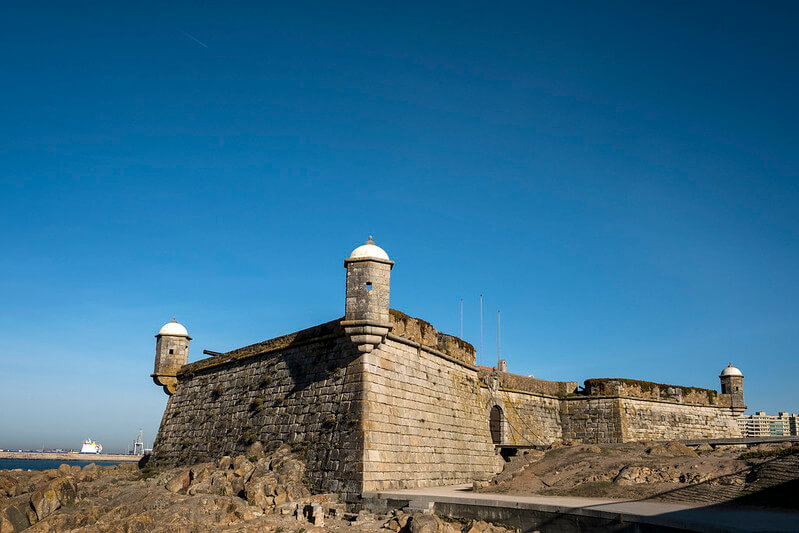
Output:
x=369 y=250
x=173 y=328
x=731 y=371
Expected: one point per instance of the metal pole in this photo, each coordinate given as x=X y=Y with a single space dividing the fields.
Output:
x=461 y=318
x=499 y=341
x=481 y=330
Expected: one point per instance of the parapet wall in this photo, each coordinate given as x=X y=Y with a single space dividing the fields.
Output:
x=515 y=382
x=421 y=332
x=304 y=389
x=618 y=419
x=647 y=390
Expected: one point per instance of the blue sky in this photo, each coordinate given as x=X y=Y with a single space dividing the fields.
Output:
x=620 y=180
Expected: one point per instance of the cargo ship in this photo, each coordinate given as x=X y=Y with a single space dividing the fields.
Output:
x=90 y=446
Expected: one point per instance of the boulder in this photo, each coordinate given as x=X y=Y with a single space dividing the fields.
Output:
x=53 y=495
x=65 y=470
x=293 y=469
x=430 y=523
x=397 y=522
x=179 y=483
x=225 y=462
x=242 y=467
x=15 y=514
x=259 y=493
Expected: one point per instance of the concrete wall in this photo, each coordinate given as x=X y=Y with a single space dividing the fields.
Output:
x=305 y=390
x=425 y=419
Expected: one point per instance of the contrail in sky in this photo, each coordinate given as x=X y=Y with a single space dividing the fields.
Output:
x=195 y=39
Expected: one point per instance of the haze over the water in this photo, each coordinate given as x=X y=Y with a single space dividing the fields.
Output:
x=621 y=181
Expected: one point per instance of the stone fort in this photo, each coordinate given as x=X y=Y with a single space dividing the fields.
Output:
x=380 y=400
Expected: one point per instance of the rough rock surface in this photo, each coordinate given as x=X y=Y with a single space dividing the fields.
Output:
x=663 y=471
x=264 y=493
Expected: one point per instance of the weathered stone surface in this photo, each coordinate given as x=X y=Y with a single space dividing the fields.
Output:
x=179 y=483
x=59 y=492
x=15 y=514
x=242 y=467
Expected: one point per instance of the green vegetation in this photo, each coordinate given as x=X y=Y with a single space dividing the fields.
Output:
x=761 y=454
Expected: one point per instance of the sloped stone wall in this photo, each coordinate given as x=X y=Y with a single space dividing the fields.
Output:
x=425 y=420
x=307 y=393
x=648 y=420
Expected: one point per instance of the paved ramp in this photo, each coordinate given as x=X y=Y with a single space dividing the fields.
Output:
x=555 y=513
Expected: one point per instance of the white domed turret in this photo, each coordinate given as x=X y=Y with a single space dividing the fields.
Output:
x=173 y=328
x=171 y=353
x=732 y=383
x=366 y=318
x=731 y=371
x=369 y=250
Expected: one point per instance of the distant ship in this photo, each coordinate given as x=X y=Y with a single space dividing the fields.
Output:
x=90 y=446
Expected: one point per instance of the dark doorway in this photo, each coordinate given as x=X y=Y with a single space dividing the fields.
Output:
x=495 y=423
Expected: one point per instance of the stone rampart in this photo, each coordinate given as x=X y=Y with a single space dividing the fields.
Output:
x=647 y=390
x=425 y=420
x=651 y=420
x=421 y=332
x=620 y=419
x=516 y=382
x=304 y=389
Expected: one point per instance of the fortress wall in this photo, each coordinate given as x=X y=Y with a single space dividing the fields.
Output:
x=308 y=394
x=425 y=420
x=617 y=419
x=651 y=391
x=528 y=419
x=592 y=420
x=648 y=420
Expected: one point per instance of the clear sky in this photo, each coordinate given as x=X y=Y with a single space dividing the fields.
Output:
x=622 y=181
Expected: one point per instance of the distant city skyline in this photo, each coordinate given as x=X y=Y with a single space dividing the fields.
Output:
x=620 y=182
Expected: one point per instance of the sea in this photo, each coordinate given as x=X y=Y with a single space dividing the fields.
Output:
x=45 y=464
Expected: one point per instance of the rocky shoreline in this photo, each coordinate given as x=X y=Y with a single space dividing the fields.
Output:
x=254 y=492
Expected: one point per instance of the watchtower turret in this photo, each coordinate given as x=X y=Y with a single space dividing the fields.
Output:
x=171 y=353
x=366 y=318
x=732 y=383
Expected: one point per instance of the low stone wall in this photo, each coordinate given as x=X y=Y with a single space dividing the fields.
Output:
x=648 y=420
x=617 y=419
x=516 y=382
x=301 y=390
x=425 y=420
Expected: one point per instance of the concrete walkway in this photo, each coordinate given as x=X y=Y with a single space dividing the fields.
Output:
x=664 y=514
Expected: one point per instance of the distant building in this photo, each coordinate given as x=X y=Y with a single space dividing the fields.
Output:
x=762 y=425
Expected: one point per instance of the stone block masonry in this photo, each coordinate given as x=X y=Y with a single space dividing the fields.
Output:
x=306 y=391
x=425 y=420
